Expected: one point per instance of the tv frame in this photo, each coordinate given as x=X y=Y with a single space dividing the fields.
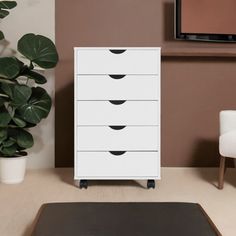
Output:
x=219 y=38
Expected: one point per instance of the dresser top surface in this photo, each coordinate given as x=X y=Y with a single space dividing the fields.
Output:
x=116 y=48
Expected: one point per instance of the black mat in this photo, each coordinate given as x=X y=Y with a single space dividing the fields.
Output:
x=124 y=219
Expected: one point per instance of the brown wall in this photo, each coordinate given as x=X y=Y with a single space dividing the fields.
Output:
x=194 y=89
x=208 y=16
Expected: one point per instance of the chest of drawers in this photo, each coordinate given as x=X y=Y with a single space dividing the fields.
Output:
x=117 y=114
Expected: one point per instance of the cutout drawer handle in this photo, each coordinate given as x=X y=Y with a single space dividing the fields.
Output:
x=117 y=127
x=117 y=51
x=117 y=153
x=117 y=76
x=117 y=102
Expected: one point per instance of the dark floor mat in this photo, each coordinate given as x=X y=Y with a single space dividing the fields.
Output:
x=124 y=219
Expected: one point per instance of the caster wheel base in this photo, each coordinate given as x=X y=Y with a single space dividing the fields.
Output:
x=83 y=184
x=151 y=183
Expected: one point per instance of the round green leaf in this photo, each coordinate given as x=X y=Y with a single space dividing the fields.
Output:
x=3 y=134
x=21 y=93
x=19 y=122
x=8 y=143
x=38 y=49
x=7 y=89
x=9 y=151
x=3 y=13
x=9 y=67
x=7 y=4
x=5 y=117
x=37 y=107
x=24 y=139
x=38 y=78
x=2 y=101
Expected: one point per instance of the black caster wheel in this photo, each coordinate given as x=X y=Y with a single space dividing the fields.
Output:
x=151 y=183
x=83 y=184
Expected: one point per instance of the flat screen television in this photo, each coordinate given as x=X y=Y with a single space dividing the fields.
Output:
x=205 y=20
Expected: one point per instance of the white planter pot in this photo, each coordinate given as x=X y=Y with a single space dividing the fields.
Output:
x=12 y=169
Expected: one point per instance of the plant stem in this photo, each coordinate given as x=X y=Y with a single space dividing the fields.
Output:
x=31 y=66
x=27 y=81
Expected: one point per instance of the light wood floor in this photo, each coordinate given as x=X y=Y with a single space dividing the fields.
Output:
x=19 y=204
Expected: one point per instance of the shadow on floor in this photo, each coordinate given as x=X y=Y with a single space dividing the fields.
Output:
x=230 y=176
x=206 y=154
x=130 y=183
x=67 y=176
x=210 y=175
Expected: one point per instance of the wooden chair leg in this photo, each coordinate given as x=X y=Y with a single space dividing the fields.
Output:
x=222 y=172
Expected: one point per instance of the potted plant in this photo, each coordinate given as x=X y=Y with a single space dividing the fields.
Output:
x=22 y=106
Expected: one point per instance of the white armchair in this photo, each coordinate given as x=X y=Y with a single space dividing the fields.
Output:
x=227 y=140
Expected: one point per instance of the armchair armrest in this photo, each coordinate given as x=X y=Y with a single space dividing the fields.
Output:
x=227 y=144
x=227 y=121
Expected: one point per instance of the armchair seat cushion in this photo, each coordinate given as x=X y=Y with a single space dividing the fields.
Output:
x=227 y=144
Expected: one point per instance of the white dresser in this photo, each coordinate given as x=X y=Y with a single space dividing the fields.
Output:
x=117 y=114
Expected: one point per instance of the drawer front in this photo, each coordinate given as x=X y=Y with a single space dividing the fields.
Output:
x=112 y=113
x=118 y=87
x=105 y=61
x=117 y=138
x=129 y=164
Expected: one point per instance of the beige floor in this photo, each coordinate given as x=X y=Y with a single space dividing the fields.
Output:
x=19 y=204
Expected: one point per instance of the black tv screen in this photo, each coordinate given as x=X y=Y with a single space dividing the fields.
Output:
x=205 y=20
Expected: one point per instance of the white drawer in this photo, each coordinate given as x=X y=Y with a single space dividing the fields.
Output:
x=117 y=138
x=104 y=164
x=127 y=113
x=118 y=87
x=105 y=61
